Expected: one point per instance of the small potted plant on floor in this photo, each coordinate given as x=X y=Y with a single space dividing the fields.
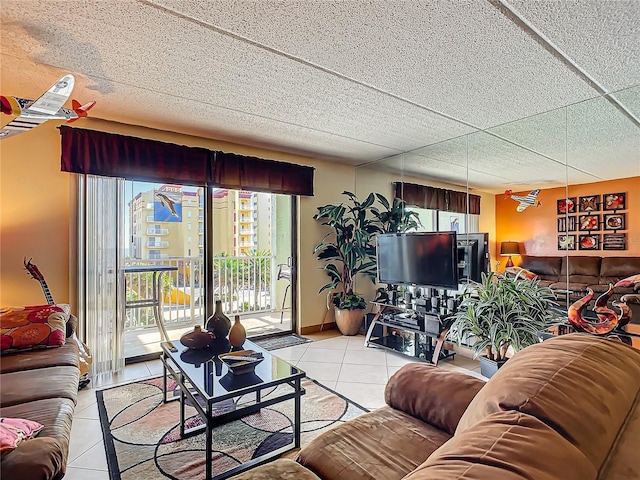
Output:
x=499 y=313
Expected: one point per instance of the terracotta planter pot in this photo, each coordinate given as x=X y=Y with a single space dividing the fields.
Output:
x=349 y=321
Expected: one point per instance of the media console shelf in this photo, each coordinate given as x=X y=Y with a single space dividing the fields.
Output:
x=426 y=333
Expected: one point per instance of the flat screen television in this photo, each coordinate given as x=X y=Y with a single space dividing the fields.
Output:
x=473 y=256
x=428 y=259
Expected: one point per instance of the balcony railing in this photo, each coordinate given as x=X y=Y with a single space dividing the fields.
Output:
x=243 y=284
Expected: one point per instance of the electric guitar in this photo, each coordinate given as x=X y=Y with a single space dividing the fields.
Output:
x=85 y=359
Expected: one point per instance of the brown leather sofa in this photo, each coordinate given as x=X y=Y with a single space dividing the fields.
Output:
x=577 y=273
x=565 y=409
x=40 y=385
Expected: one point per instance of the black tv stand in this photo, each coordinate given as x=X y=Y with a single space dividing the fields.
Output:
x=422 y=333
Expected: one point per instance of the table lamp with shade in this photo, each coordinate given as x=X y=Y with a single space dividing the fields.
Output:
x=509 y=249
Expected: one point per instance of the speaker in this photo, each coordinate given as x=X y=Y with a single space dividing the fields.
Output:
x=451 y=305
x=435 y=303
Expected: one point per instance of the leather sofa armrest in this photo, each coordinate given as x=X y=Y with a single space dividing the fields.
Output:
x=35 y=459
x=72 y=325
x=434 y=395
x=282 y=468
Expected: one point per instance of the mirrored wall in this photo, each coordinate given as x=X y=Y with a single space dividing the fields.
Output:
x=584 y=159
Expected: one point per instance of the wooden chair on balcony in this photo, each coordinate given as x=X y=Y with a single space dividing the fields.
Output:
x=284 y=273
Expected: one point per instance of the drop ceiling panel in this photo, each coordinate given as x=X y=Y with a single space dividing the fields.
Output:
x=544 y=134
x=225 y=73
x=601 y=36
x=462 y=58
x=630 y=100
x=602 y=141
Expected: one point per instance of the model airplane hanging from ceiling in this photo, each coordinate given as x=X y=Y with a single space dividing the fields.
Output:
x=530 y=199
x=48 y=107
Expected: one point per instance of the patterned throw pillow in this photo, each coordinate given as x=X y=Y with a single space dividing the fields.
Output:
x=14 y=431
x=519 y=272
x=39 y=326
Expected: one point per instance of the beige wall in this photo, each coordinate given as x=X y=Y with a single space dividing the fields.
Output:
x=37 y=212
x=36 y=202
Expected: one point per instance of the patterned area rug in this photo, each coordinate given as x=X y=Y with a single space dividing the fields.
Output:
x=281 y=342
x=142 y=435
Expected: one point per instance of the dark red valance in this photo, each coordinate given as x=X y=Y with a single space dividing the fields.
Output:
x=239 y=172
x=433 y=198
x=112 y=155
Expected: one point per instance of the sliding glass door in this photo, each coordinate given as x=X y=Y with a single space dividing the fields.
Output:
x=242 y=238
x=250 y=256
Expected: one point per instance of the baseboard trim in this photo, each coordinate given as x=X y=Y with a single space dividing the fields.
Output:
x=317 y=328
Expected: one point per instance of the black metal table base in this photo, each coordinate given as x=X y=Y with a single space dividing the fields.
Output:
x=211 y=421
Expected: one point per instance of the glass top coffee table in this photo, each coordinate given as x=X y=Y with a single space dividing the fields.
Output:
x=219 y=396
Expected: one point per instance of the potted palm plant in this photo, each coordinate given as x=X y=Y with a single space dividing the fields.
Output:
x=350 y=249
x=347 y=251
x=394 y=217
x=500 y=313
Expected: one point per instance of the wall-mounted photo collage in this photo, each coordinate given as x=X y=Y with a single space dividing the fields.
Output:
x=596 y=220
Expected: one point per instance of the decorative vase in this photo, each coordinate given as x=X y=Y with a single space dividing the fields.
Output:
x=237 y=334
x=197 y=338
x=349 y=321
x=219 y=323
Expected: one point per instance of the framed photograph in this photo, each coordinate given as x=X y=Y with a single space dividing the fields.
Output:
x=566 y=205
x=614 y=201
x=590 y=203
x=614 y=241
x=566 y=242
x=589 y=222
x=589 y=242
x=615 y=221
x=567 y=224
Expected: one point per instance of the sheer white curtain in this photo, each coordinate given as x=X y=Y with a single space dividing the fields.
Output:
x=100 y=285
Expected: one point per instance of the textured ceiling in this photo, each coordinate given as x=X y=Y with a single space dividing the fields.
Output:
x=397 y=83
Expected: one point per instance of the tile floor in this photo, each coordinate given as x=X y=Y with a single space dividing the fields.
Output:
x=341 y=363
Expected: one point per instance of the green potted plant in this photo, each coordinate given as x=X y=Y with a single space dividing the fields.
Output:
x=350 y=249
x=501 y=313
x=347 y=251
x=394 y=216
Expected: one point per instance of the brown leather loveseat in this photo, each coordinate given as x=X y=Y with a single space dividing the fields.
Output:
x=564 y=409
x=40 y=385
